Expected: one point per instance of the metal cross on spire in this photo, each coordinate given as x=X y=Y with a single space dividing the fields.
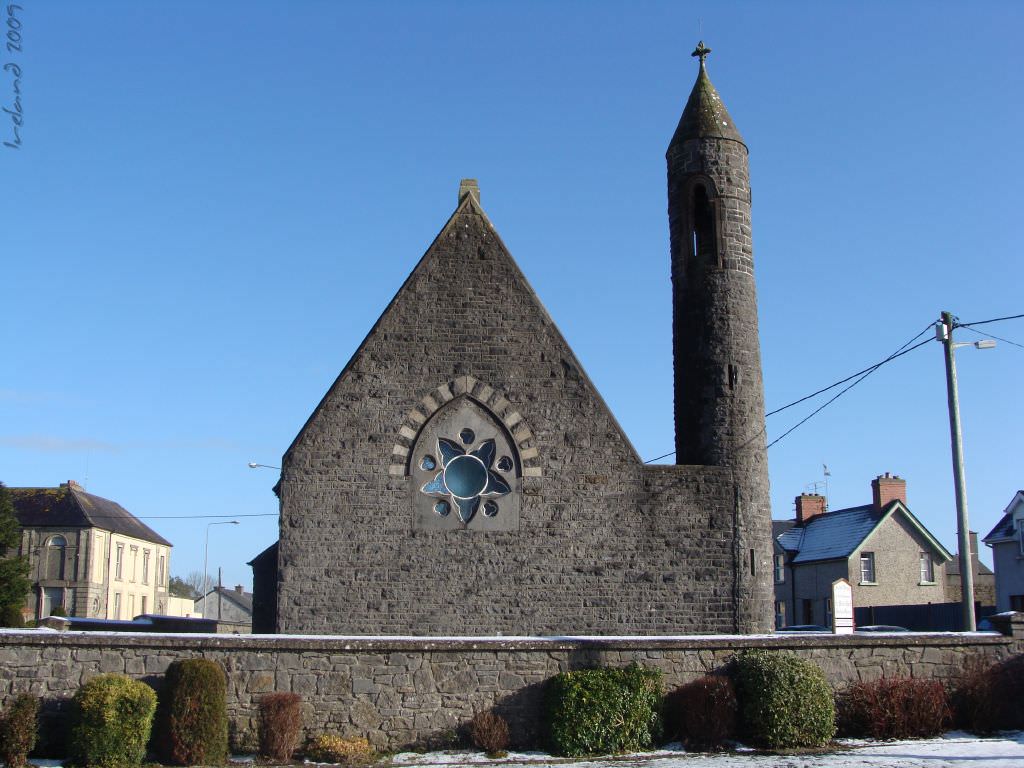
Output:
x=702 y=51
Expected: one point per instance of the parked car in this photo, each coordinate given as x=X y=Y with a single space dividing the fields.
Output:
x=882 y=628
x=804 y=628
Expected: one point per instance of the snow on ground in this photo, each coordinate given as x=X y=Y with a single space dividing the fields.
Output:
x=954 y=750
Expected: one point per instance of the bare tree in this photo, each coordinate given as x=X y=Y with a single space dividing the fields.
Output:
x=191 y=585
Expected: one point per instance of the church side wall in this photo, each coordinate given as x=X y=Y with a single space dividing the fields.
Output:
x=399 y=692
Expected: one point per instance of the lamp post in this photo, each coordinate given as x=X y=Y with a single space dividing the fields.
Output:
x=944 y=333
x=206 y=556
x=253 y=465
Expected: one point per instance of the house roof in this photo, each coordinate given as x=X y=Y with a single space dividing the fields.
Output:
x=980 y=569
x=836 y=535
x=243 y=599
x=268 y=555
x=1003 y=530
x=69 y=506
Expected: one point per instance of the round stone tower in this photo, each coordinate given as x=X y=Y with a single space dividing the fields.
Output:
x=719 y=395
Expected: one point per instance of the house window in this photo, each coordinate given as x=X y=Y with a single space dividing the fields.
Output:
x=55 y=557
x=135 y=563
x=117 y=605
x=145 y=567
x=780 y=614
x=828 y=612
x=1020 y=534
x=808 y=611
x=867 y=567
x=144 y=604
x=927 y=569
x=160 y=572
x=119 y=565
x=780 y=569
x=131 y=606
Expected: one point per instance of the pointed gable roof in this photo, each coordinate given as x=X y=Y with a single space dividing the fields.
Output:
x=837 y=535
x=469 y=215
x=69 y=506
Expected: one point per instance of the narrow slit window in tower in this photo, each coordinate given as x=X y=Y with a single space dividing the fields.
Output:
x=703 y=222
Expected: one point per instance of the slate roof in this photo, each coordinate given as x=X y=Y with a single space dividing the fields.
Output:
x=69 y=506
x=836 y=535
x=243 y=599
x=1004 y=528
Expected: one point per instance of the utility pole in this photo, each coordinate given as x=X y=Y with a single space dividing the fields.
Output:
x=944 y=333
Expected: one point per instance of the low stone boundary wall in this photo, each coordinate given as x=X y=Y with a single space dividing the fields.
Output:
x=400 y=691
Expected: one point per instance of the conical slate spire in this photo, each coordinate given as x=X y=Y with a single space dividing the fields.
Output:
x=705 y=115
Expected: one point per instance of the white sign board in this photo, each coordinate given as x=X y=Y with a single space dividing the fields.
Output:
x=842 y=607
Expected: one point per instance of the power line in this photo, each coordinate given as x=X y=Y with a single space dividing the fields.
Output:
x=992 y=335
x=993 y=320
x=898 y=353
x=842 y=392
x=863 y=374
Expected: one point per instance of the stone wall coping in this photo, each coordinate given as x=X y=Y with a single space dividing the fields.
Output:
x=348 y=643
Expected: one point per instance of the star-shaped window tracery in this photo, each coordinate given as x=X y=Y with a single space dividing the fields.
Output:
x=466 y=476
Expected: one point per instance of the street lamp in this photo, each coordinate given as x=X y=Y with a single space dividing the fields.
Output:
x=253 y=465
x=944 y=333
x=206 y=557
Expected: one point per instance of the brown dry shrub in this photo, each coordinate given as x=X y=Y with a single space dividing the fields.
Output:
x=280 y=725
x=489 y=732
x=707 y=711
x=895 y=708
x=988 y=698
x=331 y=748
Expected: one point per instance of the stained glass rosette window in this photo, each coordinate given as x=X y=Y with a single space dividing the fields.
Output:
x=466 y=478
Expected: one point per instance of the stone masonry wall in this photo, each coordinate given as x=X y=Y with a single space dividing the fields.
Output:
x=598 y=547
x=403 y=691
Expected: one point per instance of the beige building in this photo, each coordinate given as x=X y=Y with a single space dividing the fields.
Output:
x=89 y=556
x=885 y=553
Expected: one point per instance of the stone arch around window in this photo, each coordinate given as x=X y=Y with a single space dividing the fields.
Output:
x=464 y=451
x=703 y=222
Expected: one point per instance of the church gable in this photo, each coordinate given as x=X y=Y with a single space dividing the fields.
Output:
x=466 y=313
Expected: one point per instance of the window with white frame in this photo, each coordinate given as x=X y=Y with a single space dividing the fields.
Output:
x=780 y=569
x=119 y=564
x=145 y=567
x=780 y=614
x=927 y=568
x=867 y=567
x=117 y=605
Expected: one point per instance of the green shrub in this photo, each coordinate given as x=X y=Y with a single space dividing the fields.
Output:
x=280 y=725
x=18 y=728
x=706 y=711
x=785 y=701
x=895 y=708
x=58 y=610
x=192 y=724
x=331 y=748
x=111 y=720
x=604 y=711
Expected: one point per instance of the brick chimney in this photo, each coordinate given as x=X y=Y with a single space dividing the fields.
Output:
x=809 y=505
x=886 y=488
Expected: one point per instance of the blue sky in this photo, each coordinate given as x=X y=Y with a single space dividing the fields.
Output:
x=213 y=202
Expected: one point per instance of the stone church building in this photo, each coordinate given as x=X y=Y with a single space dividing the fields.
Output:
x=463 y=476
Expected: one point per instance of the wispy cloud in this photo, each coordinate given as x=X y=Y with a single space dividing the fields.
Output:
x=56 y=444
x=51 y=444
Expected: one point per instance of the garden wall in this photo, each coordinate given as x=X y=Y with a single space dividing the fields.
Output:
x=399 y=691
